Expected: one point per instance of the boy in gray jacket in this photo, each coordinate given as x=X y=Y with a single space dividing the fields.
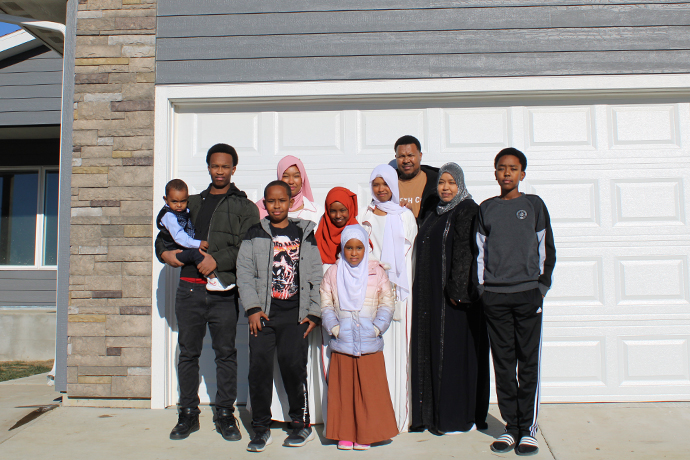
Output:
x=278 y=276
x=516 y=256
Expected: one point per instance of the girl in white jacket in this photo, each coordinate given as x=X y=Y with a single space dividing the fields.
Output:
x=357 y=305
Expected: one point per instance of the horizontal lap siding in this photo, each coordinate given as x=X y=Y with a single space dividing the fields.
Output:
x=30 y=89
x=27 y=288
x=222 y=42
x=193 y=7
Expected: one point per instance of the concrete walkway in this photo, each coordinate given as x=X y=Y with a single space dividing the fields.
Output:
x=568 y=431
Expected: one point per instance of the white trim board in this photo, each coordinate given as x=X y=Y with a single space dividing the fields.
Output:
x=457 y=88
x=170 y=97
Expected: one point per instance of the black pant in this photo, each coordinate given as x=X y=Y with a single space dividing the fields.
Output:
x=514 y=321
x=195 y=307
x=282 y=334
x=190 y=256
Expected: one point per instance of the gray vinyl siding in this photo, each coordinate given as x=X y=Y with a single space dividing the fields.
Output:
x=30 y=88
x=221 y=41
x=28 y=288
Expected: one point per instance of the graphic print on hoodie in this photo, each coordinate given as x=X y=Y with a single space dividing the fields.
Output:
x=286 y=244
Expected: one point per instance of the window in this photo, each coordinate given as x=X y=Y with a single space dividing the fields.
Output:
x=28 y=217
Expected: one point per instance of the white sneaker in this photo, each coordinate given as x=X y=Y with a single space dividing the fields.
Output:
x=212 y=284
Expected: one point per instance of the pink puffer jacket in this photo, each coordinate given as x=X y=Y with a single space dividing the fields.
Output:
x=357 y=335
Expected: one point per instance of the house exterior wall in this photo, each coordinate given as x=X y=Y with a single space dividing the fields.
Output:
x=125 y=47
x=109 y=320
x=30 y=88
x=219 y=41
x=34 y=288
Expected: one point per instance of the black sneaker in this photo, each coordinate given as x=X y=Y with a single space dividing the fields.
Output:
x=505 y=443
x=527 y=446
x=299 y=437
x=226 y=425
x=260 y=440
x=187 y=423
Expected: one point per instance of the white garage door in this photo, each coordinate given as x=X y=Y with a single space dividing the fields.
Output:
x=614 y=177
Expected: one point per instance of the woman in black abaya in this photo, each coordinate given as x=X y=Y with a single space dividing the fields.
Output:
x=449 y=344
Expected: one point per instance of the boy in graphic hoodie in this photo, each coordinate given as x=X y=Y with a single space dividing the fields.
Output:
x=279 y=275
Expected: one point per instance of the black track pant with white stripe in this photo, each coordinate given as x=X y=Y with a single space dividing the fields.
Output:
x=282 y=335
x=514 y=321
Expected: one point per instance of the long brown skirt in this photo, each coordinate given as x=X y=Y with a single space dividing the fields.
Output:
x=359 y=403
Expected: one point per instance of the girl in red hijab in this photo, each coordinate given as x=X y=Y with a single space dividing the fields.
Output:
x=341 y=211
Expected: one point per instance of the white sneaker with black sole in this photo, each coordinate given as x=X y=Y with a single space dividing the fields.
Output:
x=299 y=437
x=259 y=441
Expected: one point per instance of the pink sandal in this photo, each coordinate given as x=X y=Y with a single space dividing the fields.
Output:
x=362 y=446
x=345 y=445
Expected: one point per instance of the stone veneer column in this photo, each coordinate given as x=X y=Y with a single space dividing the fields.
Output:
x=109 y=329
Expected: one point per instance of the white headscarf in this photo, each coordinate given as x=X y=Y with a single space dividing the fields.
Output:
x=393 y=251
x=352 y=281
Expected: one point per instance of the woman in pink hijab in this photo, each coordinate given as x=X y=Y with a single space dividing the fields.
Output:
x=292 y=172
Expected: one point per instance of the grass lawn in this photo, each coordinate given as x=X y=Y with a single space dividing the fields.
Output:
x=10 y=370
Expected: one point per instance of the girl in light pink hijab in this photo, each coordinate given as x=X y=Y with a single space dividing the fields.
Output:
x=292 y=172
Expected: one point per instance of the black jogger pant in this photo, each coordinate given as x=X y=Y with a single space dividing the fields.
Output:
x=281 y=334
x=514 y=322
x=195 y=308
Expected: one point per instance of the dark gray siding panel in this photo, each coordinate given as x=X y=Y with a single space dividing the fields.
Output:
x=27 y=288
x=213 y=41
x=421 y=20
x=195 y=7
x=30 y=88
x=426 y=43
x=442 y=66
x=44 y=117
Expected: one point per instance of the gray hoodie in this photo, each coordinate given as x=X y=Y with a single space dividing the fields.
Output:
x=255 y=269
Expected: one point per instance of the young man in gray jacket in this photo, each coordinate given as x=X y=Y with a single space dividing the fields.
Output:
x=516 y=256
x=279 y=275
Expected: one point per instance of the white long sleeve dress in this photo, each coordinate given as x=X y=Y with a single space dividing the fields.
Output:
x=397 y=338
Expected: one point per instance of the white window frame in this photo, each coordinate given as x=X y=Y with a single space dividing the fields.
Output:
x=40 y=217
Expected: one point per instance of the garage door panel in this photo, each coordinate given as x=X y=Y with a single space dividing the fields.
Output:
x=377 y=130
x=570 y=202
x=311 y=133
x=605 y=280
x=643 y=126
x=578 y=281
x=648 y=201
x=633 y=362
x=652 y=279
x=476 y=129
x=574 y=361
x=654 y=360
x=560 y=128
x=614 y=178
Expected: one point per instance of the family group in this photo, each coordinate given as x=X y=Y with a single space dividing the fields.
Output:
x=374 y=324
